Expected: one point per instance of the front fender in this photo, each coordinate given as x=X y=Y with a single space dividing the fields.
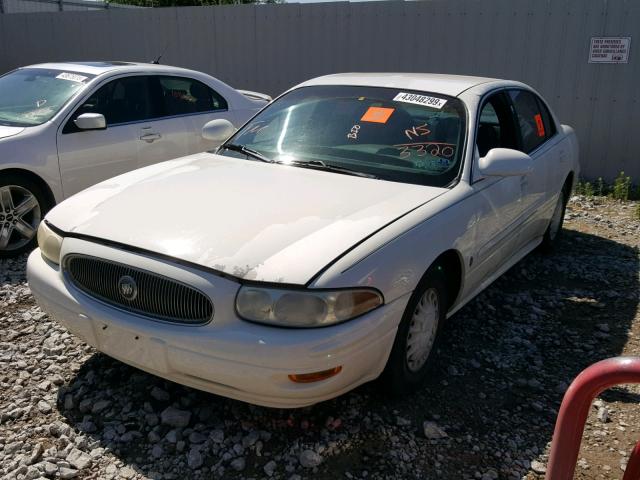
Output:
x=34 y=151
x=395 y=259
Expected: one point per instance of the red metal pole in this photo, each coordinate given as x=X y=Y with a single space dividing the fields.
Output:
x=574 y=410
x=633 y=465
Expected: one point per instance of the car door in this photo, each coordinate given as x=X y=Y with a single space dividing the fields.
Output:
x=497 y=201
x=538 y=140
x=186 y=105
x=87 y=157
x=165 y=135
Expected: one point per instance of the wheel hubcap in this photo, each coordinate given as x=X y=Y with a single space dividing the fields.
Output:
x=422 y=330
x=556 y=220
x=19 y=217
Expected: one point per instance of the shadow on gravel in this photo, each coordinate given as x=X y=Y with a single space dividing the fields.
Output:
x=617 y=394
x=12 y=270
x=497 y=380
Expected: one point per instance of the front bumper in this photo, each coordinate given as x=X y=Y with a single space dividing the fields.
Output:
x=228 y=356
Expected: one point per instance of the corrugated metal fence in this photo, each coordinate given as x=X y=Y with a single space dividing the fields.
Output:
x=271 y=47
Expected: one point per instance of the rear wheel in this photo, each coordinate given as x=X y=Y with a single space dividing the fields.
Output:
x=417 y=335
x=22 y=207
x=554 y=230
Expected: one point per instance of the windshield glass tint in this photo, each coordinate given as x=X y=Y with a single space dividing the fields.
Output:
x=397 y=135
x=32 y=96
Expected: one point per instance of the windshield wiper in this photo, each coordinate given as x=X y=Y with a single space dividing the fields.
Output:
x=247 y=151
x=320 y=165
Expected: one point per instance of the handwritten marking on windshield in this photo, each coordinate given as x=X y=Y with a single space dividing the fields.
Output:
x=354 y=132
x=417 y=131
x=435 y=149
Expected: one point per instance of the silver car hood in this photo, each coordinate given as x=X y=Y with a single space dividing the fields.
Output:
x=249 y=219
x=6 y=132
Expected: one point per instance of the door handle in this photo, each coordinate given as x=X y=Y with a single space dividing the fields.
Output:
x=151 y=137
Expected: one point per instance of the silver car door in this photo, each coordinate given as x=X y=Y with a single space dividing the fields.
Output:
x=498 y=200
x=539 y=142
x=187 y=105
x=87 y=157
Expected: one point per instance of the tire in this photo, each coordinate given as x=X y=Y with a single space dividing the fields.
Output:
x=22 y=205
x=554 y=230
x=405 y=372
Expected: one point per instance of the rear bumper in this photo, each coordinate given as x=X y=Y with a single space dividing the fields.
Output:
x=228 y=356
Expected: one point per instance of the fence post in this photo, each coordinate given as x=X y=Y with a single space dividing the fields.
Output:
x=61 y=5
x=1 y=6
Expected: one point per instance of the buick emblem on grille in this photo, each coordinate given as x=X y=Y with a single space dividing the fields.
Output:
x=127 y=287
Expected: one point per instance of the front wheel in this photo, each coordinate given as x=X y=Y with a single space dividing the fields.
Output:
x=22 y=206
x=417 y=335
x=554 y=230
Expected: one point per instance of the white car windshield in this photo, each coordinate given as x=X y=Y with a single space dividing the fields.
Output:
x=32 y=96
x=392 y=134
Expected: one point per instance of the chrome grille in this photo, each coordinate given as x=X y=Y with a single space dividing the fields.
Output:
x=138 y=291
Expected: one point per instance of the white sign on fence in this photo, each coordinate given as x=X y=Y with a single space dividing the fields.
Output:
x=609 y=50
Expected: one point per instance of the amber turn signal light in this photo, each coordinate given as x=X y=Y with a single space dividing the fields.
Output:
x=315 y=376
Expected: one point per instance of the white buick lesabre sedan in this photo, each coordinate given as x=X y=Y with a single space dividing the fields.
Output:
x=323 y=245
x=66 y=126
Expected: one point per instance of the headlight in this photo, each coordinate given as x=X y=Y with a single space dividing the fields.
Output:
x=304 y=308
x=49 y=242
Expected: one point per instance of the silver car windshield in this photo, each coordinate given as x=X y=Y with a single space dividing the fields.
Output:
x=32 y=96
x=390 y=134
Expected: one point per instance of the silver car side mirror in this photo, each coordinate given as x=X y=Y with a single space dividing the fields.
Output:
x=505 y=162
x=218 y=130
x=91 y=121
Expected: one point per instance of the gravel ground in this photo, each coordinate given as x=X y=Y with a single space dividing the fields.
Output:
x=486 y=412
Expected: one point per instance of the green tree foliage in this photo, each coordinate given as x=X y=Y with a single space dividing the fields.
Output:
x=190 y=3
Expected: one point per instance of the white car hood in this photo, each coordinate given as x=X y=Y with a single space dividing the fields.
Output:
x=248 y=219
x=6 y=132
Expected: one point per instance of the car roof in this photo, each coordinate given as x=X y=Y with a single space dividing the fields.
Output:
x=98 y=68
x=452 y=85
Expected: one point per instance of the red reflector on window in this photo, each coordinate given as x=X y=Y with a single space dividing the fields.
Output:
x=539 y=124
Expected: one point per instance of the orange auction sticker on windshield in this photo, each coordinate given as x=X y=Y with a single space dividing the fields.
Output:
x=377 y=114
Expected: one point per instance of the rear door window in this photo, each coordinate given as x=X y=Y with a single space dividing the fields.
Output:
x=549 y=124
x=534 y=131
x=184 y=96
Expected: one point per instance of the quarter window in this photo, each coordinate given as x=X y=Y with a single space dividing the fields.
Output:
x=182 y=96
x=531 y=119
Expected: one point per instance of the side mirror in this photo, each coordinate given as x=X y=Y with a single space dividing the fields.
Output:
x=505 y=162
x=91 y=121
x=218 y=130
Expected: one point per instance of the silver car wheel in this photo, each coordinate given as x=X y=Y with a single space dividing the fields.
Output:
x=422 y=330
x=20 y=215
x=556 y=219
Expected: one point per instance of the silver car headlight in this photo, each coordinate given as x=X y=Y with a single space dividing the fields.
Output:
x=304 y=308
x=49 y=242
